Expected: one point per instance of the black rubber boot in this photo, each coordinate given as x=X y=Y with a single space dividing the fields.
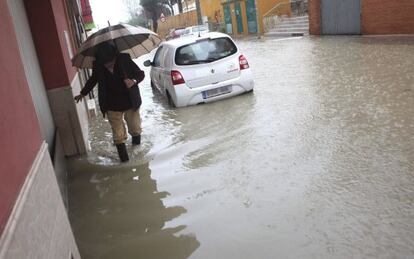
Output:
x=122 y=152
x=136 y=140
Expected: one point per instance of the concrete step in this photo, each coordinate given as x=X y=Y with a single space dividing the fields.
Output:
x=289 y=29
x=293 y=21
x=296 y=19
x=285 y=34
x=296 y=28
x=292 y=24
x=288 y=25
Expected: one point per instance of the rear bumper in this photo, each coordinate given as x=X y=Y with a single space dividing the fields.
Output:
x=185 y=96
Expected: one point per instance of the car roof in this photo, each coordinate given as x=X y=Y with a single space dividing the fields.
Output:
x=176 y=43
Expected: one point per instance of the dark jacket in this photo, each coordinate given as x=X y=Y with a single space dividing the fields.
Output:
x=113 y=95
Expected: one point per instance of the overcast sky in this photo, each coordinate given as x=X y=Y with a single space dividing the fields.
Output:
x=108 y=10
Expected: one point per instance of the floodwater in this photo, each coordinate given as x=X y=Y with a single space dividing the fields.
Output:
x=317 y=162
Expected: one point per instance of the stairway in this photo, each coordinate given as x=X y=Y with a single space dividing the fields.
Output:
x=289 y=26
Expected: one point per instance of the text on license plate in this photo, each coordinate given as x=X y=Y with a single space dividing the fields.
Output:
x=217 y=91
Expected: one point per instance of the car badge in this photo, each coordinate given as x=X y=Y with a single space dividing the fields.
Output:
x=212 y=71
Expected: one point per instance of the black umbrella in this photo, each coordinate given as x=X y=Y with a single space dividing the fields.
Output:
x=135 y=41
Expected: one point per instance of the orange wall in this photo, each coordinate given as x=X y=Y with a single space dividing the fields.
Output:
x=209 y=8
x=265 y=6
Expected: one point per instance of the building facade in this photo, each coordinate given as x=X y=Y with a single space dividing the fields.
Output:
x=242 y=17
x=235 y=17
x=361 y=17
x=89 y=24
x=41 y=125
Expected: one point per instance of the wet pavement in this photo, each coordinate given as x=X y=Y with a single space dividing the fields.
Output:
x=317 y=162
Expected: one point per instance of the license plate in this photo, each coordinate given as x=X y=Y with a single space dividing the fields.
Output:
x=217 y=91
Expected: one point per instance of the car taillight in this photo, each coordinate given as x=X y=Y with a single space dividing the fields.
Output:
x=243 y=62
x=177 y=78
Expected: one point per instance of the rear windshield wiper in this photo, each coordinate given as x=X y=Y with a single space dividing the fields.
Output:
x=203 y=61
x=197 y=62
x=207 y=60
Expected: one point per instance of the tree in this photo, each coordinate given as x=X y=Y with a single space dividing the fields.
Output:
x=136 y=14
x=153 y=10
x=132 y=7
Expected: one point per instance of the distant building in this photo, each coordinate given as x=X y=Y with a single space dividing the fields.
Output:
x=242 y=17
x=87 y=15
x=189 y=5
x=235 y=17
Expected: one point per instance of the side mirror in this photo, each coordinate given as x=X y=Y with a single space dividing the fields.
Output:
x=147 y=63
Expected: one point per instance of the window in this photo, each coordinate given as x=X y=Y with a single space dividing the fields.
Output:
x=167 y=57
x=205 y=51
x=158 y=57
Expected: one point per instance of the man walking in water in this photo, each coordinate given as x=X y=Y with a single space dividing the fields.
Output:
x=117 y=77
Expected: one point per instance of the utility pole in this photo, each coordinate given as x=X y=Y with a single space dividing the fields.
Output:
x=198 y=7
x=257 y=19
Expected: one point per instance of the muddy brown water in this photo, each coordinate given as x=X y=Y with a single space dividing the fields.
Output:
x=318 y=162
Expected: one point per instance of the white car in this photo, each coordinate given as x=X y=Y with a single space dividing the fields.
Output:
x=195 y=70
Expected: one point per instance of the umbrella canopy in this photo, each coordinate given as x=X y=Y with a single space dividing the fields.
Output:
x=135 y=41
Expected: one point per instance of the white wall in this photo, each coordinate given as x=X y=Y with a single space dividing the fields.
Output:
x=38 y=226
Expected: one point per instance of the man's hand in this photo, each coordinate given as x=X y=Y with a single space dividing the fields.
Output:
x=79 y=98
x=129 y=82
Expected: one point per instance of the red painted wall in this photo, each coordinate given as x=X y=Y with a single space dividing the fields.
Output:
x=20 y=135
x=314 y=10
x=387 y=17
x=47 y=20
x=377 y=17
x=59 y=11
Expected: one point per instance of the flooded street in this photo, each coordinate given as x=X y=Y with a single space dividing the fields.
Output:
x=317 y=162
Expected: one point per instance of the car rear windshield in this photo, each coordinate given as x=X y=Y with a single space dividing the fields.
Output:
x=205 y=51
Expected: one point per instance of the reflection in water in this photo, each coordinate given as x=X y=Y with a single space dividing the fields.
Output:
x=118 y=212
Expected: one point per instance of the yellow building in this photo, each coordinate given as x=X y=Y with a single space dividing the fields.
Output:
x=242 y=17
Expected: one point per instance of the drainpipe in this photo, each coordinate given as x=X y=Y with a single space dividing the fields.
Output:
x=257 y=18
x=198 y=7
